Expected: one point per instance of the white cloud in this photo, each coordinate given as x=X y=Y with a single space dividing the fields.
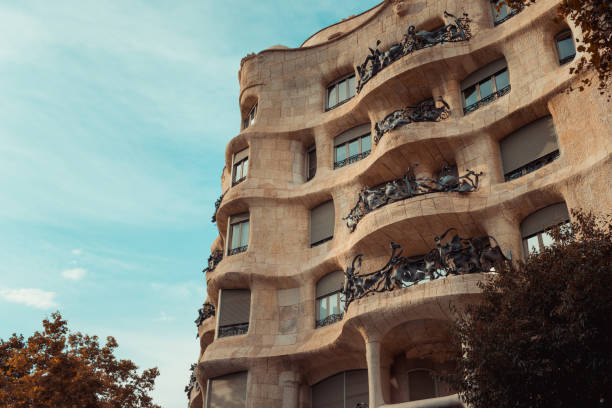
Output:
x=163 y=317
x=77 y=252
x=74 y=273
x=40 y=299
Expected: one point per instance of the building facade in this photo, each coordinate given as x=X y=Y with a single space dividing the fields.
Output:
x=380 y=171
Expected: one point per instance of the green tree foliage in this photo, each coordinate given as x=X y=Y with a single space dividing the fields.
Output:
x=594 y=18
x=56 y=368
x=542 y=334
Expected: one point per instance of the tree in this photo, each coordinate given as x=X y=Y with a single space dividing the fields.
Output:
x=57 y=368
x=541 y=336
x=594 y=18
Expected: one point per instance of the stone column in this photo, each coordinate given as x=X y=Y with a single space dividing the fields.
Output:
x=373 y=350
x=290 y=387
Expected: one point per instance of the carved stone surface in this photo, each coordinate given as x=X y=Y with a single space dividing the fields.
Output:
x=425 y=111
x=457 y=257
x=409 y=186
x=193 y=382
x=217 y=205
x=213 y=260
x=207 y=310
x=455 y=29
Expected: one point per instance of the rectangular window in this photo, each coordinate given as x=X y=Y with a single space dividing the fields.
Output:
x=502 y=12
x=485 y=85
x=250 y=117
x=238 y=234
x=566 y=50
x=234 y=312
x=353 y=150
x=228 y=391
x=311 y=163
x=535 y=228
x=340 y=91
x=529 y=148
x=240 y=166
x=322 y=223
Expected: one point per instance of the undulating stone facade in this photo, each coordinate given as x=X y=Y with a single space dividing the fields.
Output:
x=279 y=336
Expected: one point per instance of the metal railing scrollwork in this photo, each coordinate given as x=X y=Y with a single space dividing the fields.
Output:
x=238 y=250
x=486 y=100
x=333 y=318
x=351 y=159
x=233 y=330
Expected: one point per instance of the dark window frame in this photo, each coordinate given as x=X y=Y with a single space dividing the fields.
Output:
x=242 y=248
x=243 y=166
x=309 y=166
x=356 y=157
x=532 y=166
x=335 y=85
x=249 y=119
x=497 y=93
x=510 y=12
x=329 y=317
x=564 y=35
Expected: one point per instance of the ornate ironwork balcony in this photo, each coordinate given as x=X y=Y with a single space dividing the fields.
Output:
x=352 y=159
x=213 y=260
x=425 y=111
x=456 y=29
x=532 y=166
x=333 y=318
x=457 y=257
x=233 y=330
x=217 y=205
x=207 y=310
x=193 y=382
x=409 y=186
x=486 y=100
x=238 y=250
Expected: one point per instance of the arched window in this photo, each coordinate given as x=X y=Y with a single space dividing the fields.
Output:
x=345 y=389
x=485 y=85
x=353 y=145
x=340 y=91
x=566 y=49
x=534 y=228
x=329 y=305
x=422 y=384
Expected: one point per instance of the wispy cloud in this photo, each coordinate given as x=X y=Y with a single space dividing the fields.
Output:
x=163 y=317
x=74 y=273
x=77 y=252
x=37 y=298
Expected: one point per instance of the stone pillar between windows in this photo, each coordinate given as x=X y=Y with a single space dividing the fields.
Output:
x=373 y=350
x=450 y=92
x=290 y=389
x=505 y=228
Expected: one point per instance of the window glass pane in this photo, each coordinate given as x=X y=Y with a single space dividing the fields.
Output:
x=470 y=95
x=244 y=235
x=322 y=308
x=342 y=303
x=340 y=153
x=566 y=48
x=237 y=172
x=351 y=86
x=502 y=79
x=486 y=88
x=502 y=13
x=235 y=236
x=342 y=91
x=533 y=244
x=333 y=304
x=353 y=147
x=547 y=240
x=332 y=96
x=245 y=166
x=366 y=143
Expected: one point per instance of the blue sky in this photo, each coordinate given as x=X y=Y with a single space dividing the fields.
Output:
x=114 y=117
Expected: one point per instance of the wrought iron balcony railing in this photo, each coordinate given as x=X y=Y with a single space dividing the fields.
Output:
x=486 y=100
x=507 y=17
x=233 y=330
x=333 y=318
x=213 y=260
x=238 y=250
x=532 y=166
x=352 y=159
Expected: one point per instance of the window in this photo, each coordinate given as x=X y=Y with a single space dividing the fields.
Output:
x=529 y=148
x=352 y=145
x=566 y=50
x=535 y=227
x=329 y=305
x=422 y=384
x=504 y=13
x=250 y=117
x=485 y=85
x=240 y=166
x=238 y=234
x=322 y=223
x=311 y=163
x=228 y=391
x=340 y=91
x=342 y=390
x=234 y=311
